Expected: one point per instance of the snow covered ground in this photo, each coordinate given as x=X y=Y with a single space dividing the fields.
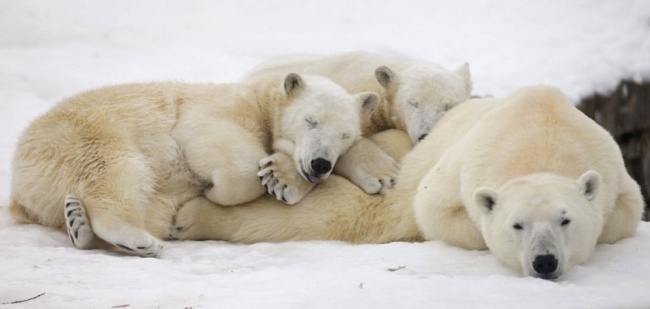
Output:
x=53 y=49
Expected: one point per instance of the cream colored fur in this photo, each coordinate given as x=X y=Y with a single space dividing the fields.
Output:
x=535 y=136
x=129 y=155
x=415 y=94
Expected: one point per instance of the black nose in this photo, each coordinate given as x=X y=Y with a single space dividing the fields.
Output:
x=545 y=264
x=321 y=166
x=422 y=137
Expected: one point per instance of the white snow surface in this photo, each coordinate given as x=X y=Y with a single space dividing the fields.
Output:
x=52 y=49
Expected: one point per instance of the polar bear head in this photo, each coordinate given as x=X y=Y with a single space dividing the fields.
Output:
x=319 y=123
x=542 y=223
x=422 y=93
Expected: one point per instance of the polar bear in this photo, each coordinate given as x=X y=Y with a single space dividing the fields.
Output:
x=132 y=153
x=415 y=95
x=528 y=177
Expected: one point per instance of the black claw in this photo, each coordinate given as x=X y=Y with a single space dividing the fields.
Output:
x=284 y=199
x=68 y=204
x=76 y=233
x=124 y=247
x=141 y=248
x=72 y=239
x=70 y=212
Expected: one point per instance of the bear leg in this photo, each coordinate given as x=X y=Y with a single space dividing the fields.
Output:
x=622 y=222
x=77 y=224
x=368 y=166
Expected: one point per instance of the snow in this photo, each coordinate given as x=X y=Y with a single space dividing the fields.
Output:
x=52 y=49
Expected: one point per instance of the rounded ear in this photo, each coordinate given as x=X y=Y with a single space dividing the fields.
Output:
x=368 y=102
x=463 y=72
x=385 y=76
x=293 y=83
x=589 y=184
x=485 y=199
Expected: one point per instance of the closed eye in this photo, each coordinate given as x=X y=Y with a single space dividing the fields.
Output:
x=345 y=136
x=517 y=226
x=414 y=104
x=311 y=122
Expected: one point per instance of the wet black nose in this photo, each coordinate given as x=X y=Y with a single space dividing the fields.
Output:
x=321 y=166
x=545 y=264
x=422 y=137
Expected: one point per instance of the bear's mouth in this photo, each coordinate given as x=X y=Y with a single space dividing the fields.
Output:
x=309 y=177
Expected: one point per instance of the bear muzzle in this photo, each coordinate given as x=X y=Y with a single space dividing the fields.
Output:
x=546 y=266
x=319 y=170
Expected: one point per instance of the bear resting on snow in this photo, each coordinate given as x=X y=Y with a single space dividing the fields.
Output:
x=415 y=95
x=528 y=177
x=129 y=155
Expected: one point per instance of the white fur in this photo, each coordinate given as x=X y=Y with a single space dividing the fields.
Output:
x=126 y=156
x=414 y=99
x=532 y=156
x=518 y=173
x=415 y=94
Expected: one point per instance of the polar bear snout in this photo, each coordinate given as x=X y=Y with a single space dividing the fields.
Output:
x=321 y=166
x=545 y=266
x=318 y=170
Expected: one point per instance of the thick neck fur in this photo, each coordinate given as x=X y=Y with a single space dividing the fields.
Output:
x=270 y=96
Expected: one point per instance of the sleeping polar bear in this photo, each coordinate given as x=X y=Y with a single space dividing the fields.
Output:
x=132 y=153
x=414 y=96
x=528 y=177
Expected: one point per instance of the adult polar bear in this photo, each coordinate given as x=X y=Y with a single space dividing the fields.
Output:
x=529 y=177
x=133 y=153
x=415 y=94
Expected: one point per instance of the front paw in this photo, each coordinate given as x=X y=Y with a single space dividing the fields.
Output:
x=378 y=176
x=378 y=185
x=282 y=180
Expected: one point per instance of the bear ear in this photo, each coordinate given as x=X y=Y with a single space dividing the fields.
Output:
x=385 y=76
x=589 y=184
x=293 y=83
x=463 y=72
x=485 y=199
x=368 y=102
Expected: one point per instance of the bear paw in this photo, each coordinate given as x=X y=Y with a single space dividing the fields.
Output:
x=282 y=180
x=376 y=177
x=77 y=223
x=137 y=242
x=184 y=222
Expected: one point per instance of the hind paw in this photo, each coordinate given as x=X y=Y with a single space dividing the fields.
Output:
x=77 y=223
x=147 y=246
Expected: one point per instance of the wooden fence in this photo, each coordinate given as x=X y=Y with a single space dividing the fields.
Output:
x=625 y=113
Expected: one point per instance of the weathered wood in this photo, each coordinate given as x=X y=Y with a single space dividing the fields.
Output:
x=625 y=113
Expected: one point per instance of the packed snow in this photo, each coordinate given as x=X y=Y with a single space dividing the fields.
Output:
x=52 y=49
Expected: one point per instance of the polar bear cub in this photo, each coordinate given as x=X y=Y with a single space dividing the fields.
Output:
x=113 y=164
x=529 y=177
x=415 y=95
x=308 y=121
